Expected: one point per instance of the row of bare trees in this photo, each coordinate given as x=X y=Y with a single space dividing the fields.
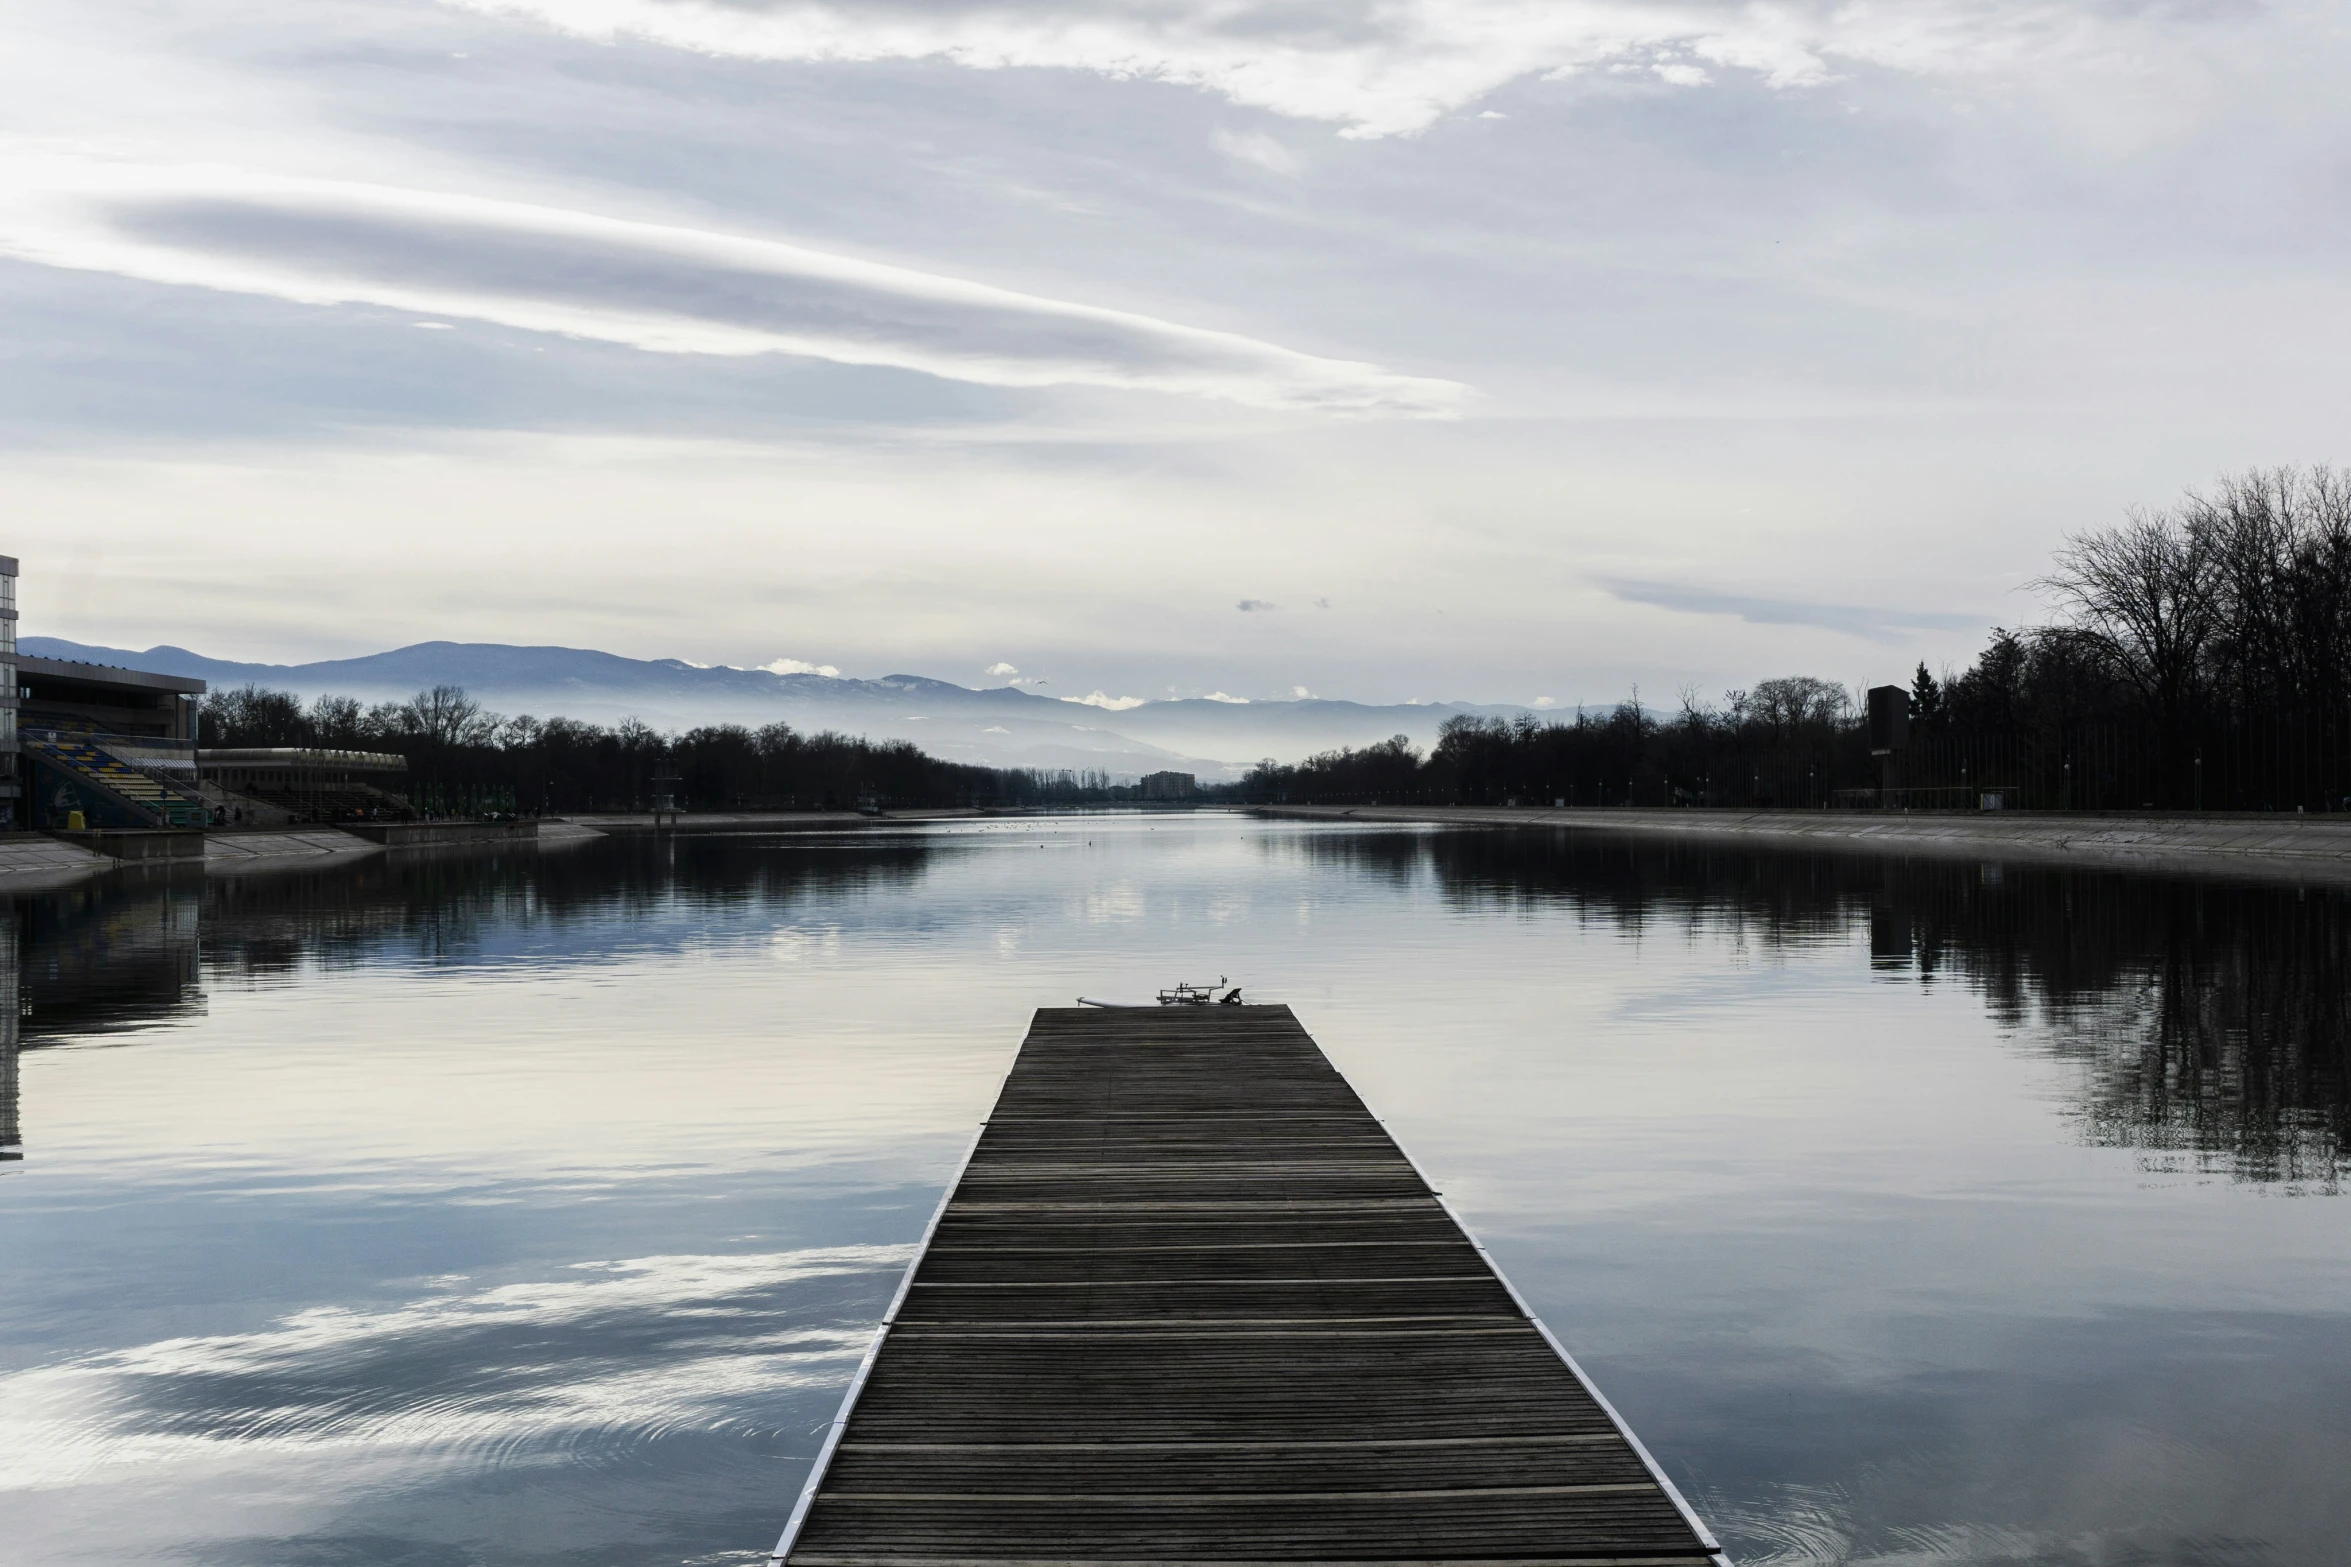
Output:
x=1788 y=742
x=2200 y=659
x=458 y=751
x=2203 y=649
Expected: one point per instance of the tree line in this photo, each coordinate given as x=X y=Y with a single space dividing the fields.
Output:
x=2200 y=658
x=463 y=758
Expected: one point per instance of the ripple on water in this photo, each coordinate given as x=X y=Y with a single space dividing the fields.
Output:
x=592 y=1368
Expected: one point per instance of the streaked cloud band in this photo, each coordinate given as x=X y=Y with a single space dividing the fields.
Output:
x=654 y=287
x=1384 y=70
x=1888 y=624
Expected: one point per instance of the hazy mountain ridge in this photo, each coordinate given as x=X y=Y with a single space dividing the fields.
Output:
x=998 y=726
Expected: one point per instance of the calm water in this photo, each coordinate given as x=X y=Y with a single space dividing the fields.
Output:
x=535 y=1209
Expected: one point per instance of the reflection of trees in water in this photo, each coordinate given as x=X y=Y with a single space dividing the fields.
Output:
x=2211 y=1021
x=577 y=902
x=122 y=951
x=2227 y=1049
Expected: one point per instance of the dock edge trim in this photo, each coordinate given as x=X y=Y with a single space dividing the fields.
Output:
x=1673 y=1493
x=873 y=1350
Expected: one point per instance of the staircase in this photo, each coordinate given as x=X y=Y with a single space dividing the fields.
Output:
x=148 y=800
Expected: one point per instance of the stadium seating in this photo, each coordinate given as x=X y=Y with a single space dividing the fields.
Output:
x=148 y=797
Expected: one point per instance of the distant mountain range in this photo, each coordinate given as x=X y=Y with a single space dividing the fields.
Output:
x=994 y=726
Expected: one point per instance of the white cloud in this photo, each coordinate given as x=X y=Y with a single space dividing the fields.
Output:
x=1102 y=699
x=1393 y=69
x=1545 y=701
x=1002 y=670
x=1257 y=149
x=654 y=287
x=797 y=666
x=1301 y=693
x=1220 y=696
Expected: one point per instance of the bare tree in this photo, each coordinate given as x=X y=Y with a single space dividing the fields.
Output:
x=445 y=715
x=2145 y=597
x=2282 y=543
x=1791 y=700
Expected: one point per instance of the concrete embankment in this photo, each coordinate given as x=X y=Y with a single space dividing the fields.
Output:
x=240 y=851
x=700 y=823
x=30 y=862
x=2300 y=848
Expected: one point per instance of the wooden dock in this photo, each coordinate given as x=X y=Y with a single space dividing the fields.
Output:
x=1189 y=1303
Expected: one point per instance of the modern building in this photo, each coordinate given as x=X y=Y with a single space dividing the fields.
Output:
x=115 y=746
x=1168 y=786
x=11 y=778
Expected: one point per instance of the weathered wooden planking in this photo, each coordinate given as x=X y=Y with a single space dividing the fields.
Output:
x=1189 y=1303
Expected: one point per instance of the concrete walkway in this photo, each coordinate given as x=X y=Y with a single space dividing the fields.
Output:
x=30 y=862
x=33 y=862
x=277 y=847
x=697 y=823
x=234 y=851
x=2300 y=848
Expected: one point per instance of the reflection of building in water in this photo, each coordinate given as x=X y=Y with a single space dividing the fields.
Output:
x=107 y=954
x=11 y=1053
x=96 y=956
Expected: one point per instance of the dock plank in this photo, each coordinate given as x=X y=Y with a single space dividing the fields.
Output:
x=1189 y=1303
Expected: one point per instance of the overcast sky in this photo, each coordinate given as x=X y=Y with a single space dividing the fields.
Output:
x=1499 y=349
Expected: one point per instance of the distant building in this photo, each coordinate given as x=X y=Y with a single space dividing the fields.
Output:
x=1168 y=786
x=115 y=746
x=11 y=776
x=278 y=785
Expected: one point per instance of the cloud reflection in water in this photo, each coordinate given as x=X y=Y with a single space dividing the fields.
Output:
x=579 y=1370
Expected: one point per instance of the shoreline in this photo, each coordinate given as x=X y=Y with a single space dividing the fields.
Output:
x=2305 y=848
x=39 y=861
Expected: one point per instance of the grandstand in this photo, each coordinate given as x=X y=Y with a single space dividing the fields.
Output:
x=115 y=746
x=276 y=785
x=151 y=796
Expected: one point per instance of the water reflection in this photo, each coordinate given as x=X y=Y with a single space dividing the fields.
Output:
x=505 y=1209
x=579 y=904
x=2210 y=1021
x=107 y=955
x=11 y=1074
